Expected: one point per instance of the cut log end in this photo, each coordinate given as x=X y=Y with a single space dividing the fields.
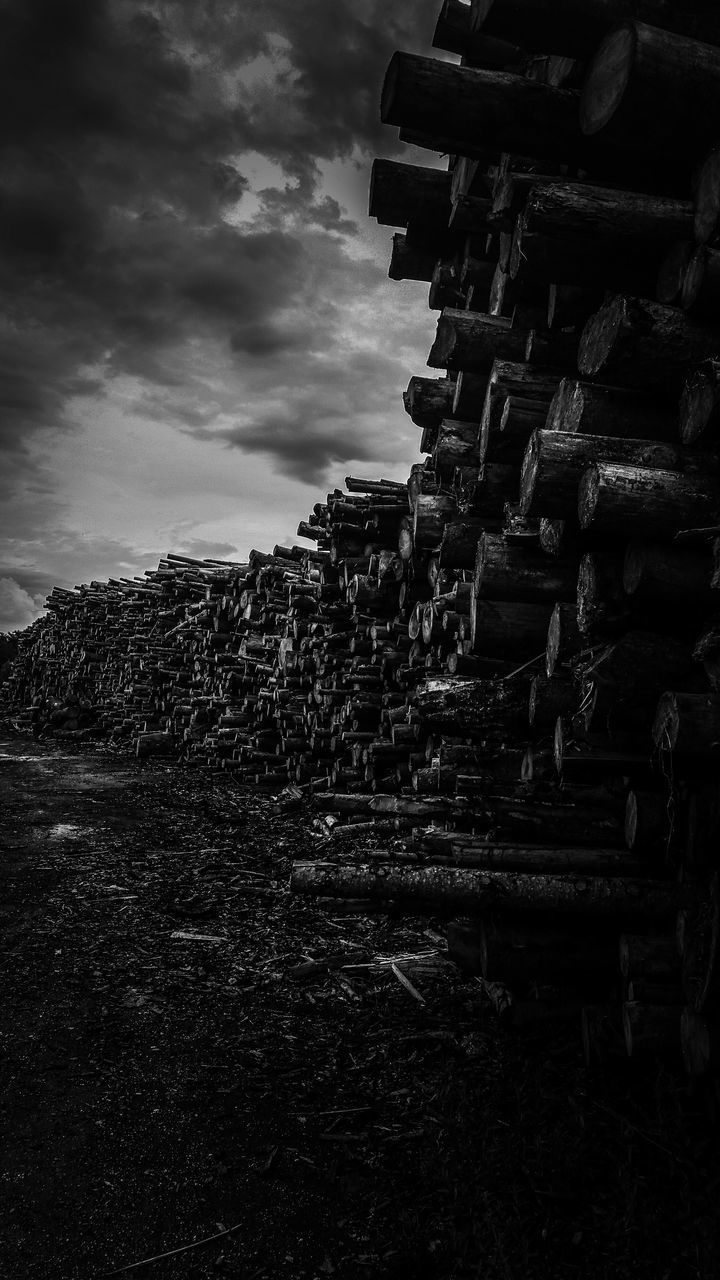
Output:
x=698 y=402
x=607 y=79
x=444 y=345
x=389 y=90
x=588 y=490
x=666 y=725
x=528 y=473
x=693 y=276
x=565 y=412
x=707 y=198
x=600 y=335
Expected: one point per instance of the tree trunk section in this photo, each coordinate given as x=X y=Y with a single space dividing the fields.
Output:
x=647 y=90
x=470 y=341
x=587 y=409
x=639 y=344
x=399 y=192
x=601 y=898
x=622 y=501
x=555 y=461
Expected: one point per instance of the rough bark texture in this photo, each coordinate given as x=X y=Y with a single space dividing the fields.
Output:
x=429 y=400
x=469 y=341
x=636 y=343
x=587 y=408
x=587 y=235
x=622 y=501
x=407 y=263
x=700 y=403
x=647 y=89
x=555 y=460
x=505 y=572
x=597 y=897
x=399 y=192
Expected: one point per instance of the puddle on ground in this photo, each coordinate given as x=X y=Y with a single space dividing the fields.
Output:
x=66 y=831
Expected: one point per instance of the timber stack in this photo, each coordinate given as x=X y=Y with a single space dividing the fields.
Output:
x=515 y=658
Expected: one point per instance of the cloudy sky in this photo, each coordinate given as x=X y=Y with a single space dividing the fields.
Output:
x=199 y=337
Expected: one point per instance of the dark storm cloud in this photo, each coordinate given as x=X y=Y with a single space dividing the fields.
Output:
x=124 y=127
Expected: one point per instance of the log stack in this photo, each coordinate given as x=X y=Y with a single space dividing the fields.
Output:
x=514 y=657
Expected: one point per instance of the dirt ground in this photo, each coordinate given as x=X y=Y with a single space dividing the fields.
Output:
x=160 y=1088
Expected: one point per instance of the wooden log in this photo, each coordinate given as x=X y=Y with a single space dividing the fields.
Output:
x=662 y=578
x=454 y=33
x=518 y=420
x=458 y=549
x=707 y=198
x=555 y=461
x=456 y=446
x=432 y=511
x=470 y=665
x=599 y=898
x=648 y=955
x=471 y=707
x=602 y=1034
x=506 y=111
x=564 y=639
x=707 y=651
x=470 y=341
x=576 y=31
x=453 y=29
x=469 y=396
x=550 y=697
x=407 y=263
x=470 y=214
x=570 y=306
x=486 y=491
x=520 y=302
x=671 y=273
x=603 y=610
x=590 y=409
x=155 y=744
x=648 y=824
x=688 y=724
x=702 y=831
x=650 y=1030
x=700 y=402
x=399 y=192
x=511 y=573
x=529 y=382
x=619 y=501
x=477 y=274
x=445 y=289
x=523 y=955
x=591 y=757
x=544 y=859
x=650 y=90
x=627 y=676
x=577 y=234
x=432 y=140
x=510 y=629
x=557 y=350
x=637 y=343
x=700 y=1043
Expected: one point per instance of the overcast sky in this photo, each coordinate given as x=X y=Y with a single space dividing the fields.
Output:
x=199 y=335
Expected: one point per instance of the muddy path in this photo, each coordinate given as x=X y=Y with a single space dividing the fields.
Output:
x=167 y=1075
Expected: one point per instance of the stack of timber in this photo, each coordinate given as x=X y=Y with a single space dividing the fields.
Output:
x=572 y=490
x=514 y=658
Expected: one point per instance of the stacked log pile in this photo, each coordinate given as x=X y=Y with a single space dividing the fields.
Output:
x=514 y=658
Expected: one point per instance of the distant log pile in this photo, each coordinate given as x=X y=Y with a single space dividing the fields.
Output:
x=514 y=658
